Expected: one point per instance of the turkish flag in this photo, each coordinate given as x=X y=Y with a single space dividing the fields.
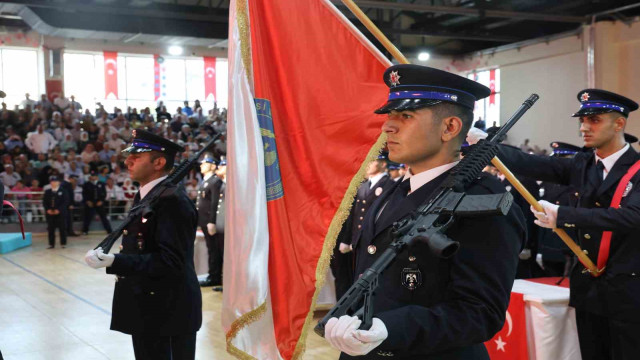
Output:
x=110 y=74
x=209 y=77
x=492 y=87
x=511 y=342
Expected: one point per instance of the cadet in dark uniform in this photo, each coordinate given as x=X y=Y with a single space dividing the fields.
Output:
x=55 y=202
x=208 y=194
x=220 y=208
x=157 y=298
x=553 y=256
x=606 y=305
x=394 y=170
x=93 y=197
x=342 y=263
x=427 y=307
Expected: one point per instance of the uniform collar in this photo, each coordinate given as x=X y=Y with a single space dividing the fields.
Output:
x=610 y=160
x=418 y=180
x=374 y=179
x=144 y=190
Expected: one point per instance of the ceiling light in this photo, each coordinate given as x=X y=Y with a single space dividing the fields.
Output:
x=175 y=50
x=424 y=56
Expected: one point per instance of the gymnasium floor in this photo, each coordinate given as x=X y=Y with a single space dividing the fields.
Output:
x=54 y=307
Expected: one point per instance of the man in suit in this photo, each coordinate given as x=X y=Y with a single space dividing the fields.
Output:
x=378 y=181
x=206 y=202
x=427 y=307
x=606 y=302
x=220 y=209
x=93 y=197
x=55 y=202
x=157 y=298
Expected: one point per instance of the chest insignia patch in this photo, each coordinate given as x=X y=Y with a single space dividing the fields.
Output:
x=411 y=278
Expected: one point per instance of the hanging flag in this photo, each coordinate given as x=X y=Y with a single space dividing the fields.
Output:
x=157 y=60
x=110 y=74
x=492 y=87
x=210 y=78
x=511 y=342
x=300 y=127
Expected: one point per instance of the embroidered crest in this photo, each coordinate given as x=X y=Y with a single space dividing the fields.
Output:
x=394 y=78
x=411 y=278
x=584 y=96
x=378 y=191
x=627 y=189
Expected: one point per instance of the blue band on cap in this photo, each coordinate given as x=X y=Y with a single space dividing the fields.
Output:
x=431 y=95
x=146 y=145
x=565 y=152
x=602 y=105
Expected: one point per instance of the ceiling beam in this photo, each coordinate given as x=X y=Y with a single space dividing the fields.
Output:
x=467 y=11
x=452 y=35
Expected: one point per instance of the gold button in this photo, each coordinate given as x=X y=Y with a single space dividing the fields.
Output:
x=359 y=226
x=412 y=258
x=125 y=232
x=140 y=234
x=557 y=202
x=364 y=201
x=585 y=251
x=597 y=203
x=362 y=209
x=587 y=236
x=371 y=249
x=361 y=217
x=121 y=247
x=357 y=201
x=152 y=293
x=576 y=194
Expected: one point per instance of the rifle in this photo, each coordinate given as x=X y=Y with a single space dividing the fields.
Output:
x=165 y=187
x=429 y=222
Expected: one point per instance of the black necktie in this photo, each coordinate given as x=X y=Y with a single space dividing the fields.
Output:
x=395 y=199
x=597 y=174
x=136 y=199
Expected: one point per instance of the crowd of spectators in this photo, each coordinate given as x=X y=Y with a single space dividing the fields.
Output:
x=43 y=138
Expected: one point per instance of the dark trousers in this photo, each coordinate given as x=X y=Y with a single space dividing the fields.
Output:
x=56 y=222
x=182 y=347
x=602 y=338
x=90 y=212
x=68 y=221
x=215 y=248
x=342 y=270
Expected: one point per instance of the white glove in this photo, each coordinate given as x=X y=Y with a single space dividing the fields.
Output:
x=98 y=259
x=474 y=135
x=549 y=217
x=539 y=260
x=345 y=248
x=211 y=229
x=525 y=254
x=343 y=334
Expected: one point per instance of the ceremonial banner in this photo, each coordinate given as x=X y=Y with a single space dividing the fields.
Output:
x=110 y=74
x=492 y=87
x=210 y=78
x=157 y=74
x=511 y=342
x=303 y=84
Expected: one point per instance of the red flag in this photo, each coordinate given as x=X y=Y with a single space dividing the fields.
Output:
x=156 y=77
x=492 y=86
x=316 y=81
x=209 y=77
x=110 y=74
x=54 y=88
x=511 y=342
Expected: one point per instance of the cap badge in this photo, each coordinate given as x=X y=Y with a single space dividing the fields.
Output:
x=584 y=96
x=394 y=78
x=454 y=97
x=133 y=133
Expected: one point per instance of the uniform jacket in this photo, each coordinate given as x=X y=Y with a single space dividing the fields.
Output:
x=93 y=193
x=57 y=200
x=460 y=302
x=221 y=208
x=615 y=294
x=157 y=292
x=363 y=201
x=206 y=202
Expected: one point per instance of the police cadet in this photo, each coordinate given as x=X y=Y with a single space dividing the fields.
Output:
x=94 y=194
x=157 y=298
x=220 y=207
x=553 y=256
x=206 y=202
x=394 y=170
x=378 y=181
x=427 y=307
x=606 y=303
x=55 y=202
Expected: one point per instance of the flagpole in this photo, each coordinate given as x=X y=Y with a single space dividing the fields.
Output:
x=584 y=259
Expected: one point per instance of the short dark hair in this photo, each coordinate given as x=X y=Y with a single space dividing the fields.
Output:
x=446 y=109
x=170 y=158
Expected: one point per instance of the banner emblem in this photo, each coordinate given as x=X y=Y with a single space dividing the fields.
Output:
x=271 y=163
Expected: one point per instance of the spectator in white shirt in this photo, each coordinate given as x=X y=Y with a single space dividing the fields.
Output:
x=61 y=132
x=115 y=198
x=88 y=153
x=75 y=104
x=27 y=103
x=61 y=102
x=125 y=132
x=116 y=143
x=9 y=177
x=60 y=164
x=40 y=142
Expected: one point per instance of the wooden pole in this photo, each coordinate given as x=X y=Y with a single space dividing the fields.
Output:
x=586 y=261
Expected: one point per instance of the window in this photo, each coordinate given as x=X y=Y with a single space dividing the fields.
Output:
x=488 y=109
x=19 y=75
